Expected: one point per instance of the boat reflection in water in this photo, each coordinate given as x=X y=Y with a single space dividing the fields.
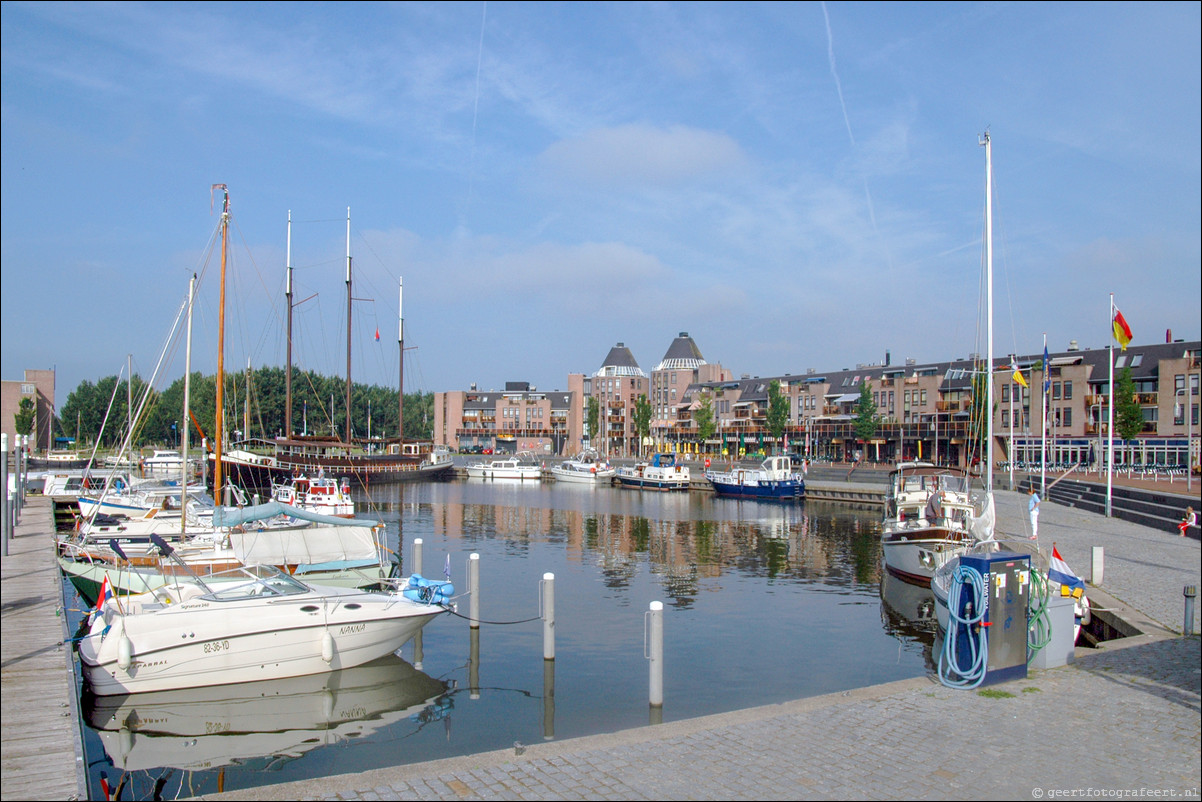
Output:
x=198 y=729
x=908 y=614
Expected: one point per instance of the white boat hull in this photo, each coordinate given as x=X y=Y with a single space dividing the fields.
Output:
x=578 y=476
x=918 y=556
x=204 y=642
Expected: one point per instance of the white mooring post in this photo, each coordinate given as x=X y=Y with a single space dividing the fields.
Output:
x=548 y=599
x=417 y=556
x=5 y=516
x=1097 y=566
x=473 y=583
x=655 y=652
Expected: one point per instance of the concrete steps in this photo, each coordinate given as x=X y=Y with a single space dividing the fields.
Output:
x=1157 y=510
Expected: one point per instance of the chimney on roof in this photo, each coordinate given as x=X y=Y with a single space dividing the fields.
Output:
x=887 y=358
x=1072 y=345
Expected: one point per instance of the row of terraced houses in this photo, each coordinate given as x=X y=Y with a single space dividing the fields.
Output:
x=924 y=409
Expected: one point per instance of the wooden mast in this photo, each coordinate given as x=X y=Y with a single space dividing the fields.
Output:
x=219 y=422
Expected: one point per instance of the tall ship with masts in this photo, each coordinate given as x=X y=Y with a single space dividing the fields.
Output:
x=345 y=457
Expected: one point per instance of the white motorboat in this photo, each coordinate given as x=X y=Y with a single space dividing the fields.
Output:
x=163 y=462
x=663 y=472
x=585 y=468
x=318 y=494
x=931 y=515
x=773 y=479
x=248 y=624
x=506 y=468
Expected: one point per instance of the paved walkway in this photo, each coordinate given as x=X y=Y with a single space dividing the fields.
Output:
x=39 y=736
x=1121 y=720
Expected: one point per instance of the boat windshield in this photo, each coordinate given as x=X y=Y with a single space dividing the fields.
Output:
x=253 y=581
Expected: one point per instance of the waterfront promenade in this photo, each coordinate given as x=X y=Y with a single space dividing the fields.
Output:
x=1123 y=719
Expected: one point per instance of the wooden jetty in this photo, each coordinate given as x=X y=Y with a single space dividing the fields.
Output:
x=40 y=742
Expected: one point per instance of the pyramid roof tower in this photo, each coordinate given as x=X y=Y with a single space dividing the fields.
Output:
x=620 y=362
x=682 y=354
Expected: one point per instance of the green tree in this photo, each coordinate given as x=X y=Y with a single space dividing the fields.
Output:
x=592 y=417
x=978 y=428
x=703 y=417
x=1128 y=415
x=867 y=419
x=642 y=418
x=23 y=417
x=778 y=411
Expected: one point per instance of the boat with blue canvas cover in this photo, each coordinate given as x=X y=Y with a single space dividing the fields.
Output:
x=773 y=479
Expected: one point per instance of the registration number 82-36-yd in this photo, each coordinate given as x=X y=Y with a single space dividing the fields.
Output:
x=217 y=646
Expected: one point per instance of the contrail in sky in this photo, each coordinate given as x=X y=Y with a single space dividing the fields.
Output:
x=830 y=54
x=471 y=178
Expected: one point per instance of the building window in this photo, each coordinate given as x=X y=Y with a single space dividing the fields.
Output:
x=1068 y=390
x=1056 y=391
x=1067 y=417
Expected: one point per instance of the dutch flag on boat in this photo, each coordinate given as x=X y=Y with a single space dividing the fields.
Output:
x=106 y=593
x=1059 y=572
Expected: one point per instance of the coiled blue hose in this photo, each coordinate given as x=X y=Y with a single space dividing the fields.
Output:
x=951 y=672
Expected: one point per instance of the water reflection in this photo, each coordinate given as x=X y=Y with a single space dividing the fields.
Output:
x=908 y=613
x=207 y=728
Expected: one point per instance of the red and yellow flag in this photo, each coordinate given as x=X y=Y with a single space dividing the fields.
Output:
x=1122 y=332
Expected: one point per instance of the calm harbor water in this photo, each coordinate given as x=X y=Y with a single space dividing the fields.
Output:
x=763 y=602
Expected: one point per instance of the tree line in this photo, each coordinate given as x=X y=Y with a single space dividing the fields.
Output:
x=259 y=395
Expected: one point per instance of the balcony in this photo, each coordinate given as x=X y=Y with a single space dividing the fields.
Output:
x=1147 y=399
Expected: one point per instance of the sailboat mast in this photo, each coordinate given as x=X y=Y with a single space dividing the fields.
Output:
x=183 y=439
x=288 y=363
x=348 y=325
x=988 y=455
x=219 y=421
x=400 y=378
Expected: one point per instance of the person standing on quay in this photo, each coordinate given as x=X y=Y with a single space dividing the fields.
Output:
x=1033 y=509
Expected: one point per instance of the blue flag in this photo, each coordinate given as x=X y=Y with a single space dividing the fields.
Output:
x=1047 y=374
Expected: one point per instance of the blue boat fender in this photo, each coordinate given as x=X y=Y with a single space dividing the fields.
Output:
x=428 y=591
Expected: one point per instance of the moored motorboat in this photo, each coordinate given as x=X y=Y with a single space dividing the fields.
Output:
x=773 y=479
x=248 y=624
x=506 y=468
x=585 y=468
x=662 y=472
x=318 y=494
x=931 y=515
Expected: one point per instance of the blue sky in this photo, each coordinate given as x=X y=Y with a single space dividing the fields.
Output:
x=797 y=185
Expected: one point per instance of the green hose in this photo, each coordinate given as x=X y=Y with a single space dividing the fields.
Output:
x=1039 y=627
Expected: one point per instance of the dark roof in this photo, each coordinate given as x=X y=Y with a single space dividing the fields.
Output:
x=683 y=347
x=619 y=357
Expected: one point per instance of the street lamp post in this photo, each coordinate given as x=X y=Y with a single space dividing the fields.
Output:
x=1187 y=413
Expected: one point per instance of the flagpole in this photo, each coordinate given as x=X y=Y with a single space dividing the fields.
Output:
x=1043 y=424
x=1110 y=414
x=1013 y=390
